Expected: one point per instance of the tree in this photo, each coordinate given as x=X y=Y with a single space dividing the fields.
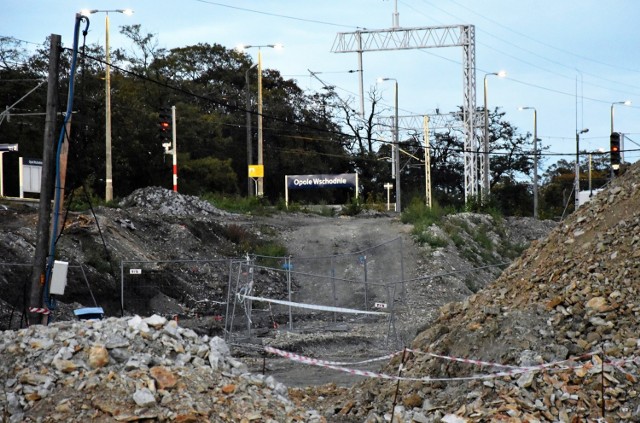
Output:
x=557 y=191
x=510 y=157
x=369 y=143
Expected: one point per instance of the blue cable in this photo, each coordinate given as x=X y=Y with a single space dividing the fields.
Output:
x=56 y=207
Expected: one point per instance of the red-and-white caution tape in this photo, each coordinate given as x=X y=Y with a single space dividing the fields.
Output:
x=39 y=310
x=544 y=366
x=366 y=373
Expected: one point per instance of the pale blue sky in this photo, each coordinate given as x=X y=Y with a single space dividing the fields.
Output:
x=569 y=59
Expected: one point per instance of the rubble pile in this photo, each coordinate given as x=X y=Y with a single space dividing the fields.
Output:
x=133 y=369
x=564 y=316
x=170 y=203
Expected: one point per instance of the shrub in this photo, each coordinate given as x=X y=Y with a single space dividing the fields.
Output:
x=352 y=208
x=430 y=239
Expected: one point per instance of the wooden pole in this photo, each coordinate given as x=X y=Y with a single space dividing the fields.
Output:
x=46 y=186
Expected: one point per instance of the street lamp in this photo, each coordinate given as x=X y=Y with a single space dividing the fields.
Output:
x=396 y=146
x=241 y=48
x=108 y=196
x=626 y=103
x=535 y=159
x=249 y=139
x=485 y=172
x=576 y=187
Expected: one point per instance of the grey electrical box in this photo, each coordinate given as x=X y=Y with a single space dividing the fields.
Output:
x=58 y=278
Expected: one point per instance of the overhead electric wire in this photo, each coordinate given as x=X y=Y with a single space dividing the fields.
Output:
x=520 y=48
x=297 y=124
x=563 y=51
x=294 y=18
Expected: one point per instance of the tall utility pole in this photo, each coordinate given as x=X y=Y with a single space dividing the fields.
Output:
x=396 y=146
x=427 y=163
x=260 y=192
x=46 y=183
x=108 y=195
x=576 y=182
x=241 y=48
x=247 y=106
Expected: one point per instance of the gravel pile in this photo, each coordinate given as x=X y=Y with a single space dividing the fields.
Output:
x=133 y=369
x=170 y=203
x=568 y=310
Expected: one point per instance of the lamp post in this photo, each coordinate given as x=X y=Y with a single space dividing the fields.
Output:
x=108 y=196
x=626 y=103
x=396 y=146
x=535 y=159
x=485 y=160
x=250 y=192
x=576 y=187
x=260 y=192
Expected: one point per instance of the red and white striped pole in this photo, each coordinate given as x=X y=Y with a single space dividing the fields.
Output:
x=175 y=153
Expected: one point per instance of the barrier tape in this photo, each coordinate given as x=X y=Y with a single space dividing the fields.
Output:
x=312 y=306
x=342 y=363
x=512 y=370
x=507 y=366
x=39 y=310
x=366 y=373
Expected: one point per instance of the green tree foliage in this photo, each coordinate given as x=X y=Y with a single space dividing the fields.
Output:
x=206 y=84
x=557 y=192
x=511 y=166
x=208 y=174
x=303 y=133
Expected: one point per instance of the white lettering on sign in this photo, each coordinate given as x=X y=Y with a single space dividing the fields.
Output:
x=380 y=305
x=135 y=271
x=316 y=181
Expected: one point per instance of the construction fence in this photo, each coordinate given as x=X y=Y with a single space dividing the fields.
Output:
x=322 y=292
x=252 y=295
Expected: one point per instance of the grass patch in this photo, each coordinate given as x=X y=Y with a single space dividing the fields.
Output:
x=480 y=236
x=422 y=217
x=430 y=239
x=352 y=208
x=236 y=204
x=270 y=253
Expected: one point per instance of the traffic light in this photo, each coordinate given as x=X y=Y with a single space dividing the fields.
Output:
x=615 y=151
x=165 y=125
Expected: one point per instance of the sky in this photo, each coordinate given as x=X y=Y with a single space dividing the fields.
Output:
x=571 y=60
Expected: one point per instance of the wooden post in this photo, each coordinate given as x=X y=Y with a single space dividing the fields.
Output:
x=46 y=185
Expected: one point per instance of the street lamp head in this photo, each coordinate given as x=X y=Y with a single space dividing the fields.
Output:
x=243 y=47
x=584 y=131
x=521 y=108
x=500 y=74
x=87 y=12
x=381 y=79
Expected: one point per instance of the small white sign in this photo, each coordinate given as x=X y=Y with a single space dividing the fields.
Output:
x=380 y=305
x=135 y=271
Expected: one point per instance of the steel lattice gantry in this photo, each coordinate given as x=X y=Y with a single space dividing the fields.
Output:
x=428 y=37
